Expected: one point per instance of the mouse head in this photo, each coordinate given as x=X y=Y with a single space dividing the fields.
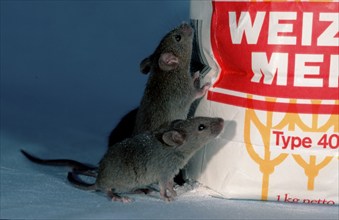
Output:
x=191 y=134
x=174 y=50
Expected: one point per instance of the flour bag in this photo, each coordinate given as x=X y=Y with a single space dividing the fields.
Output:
x=274 y=68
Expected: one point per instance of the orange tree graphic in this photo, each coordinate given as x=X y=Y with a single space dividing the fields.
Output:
x=266 y=163
x=291 y=120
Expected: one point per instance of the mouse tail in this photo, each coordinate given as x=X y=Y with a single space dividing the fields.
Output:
x=80 y=167
x=73 y=178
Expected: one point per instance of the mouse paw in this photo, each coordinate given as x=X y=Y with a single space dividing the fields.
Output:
x=202 y=91
x=121 y=199
x=116 y=198
x=173 y=193
x=170 y=188
x=196 y=79
x=196 y=76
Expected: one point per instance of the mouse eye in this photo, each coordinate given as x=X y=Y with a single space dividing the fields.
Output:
x=177 y=37
x=201 y=127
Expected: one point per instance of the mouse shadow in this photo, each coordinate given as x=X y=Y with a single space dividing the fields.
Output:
x=204 y=155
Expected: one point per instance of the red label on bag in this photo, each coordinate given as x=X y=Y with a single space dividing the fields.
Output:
x=287 y=51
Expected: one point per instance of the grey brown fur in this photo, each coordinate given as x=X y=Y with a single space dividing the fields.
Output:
x=152 y=157
x=170 y=89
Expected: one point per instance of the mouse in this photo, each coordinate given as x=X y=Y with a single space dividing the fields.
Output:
x=169 y=92
x=171 y=88
x=151 y=157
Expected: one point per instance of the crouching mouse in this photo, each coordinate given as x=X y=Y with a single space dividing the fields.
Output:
x=151 y=158
x=170 y=89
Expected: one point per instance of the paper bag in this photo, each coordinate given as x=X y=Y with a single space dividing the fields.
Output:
x=274 y=67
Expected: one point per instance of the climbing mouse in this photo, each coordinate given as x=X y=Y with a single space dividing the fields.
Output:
x=170 y=89
x=151 y=157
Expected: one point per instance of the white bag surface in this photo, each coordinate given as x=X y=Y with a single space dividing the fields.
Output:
x=274 y=67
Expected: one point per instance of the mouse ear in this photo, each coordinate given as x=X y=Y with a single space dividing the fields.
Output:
x=167 y=61
x=173 y=138
x=145 y=65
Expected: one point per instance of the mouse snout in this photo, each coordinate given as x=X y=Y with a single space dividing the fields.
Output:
x=217 y=126
x=186 y=29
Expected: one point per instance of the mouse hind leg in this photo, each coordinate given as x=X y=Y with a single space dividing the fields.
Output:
x=170 y=188
x=167 y=185
x=117 y=198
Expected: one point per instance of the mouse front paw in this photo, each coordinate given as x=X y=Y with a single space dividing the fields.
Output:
x=164 y=189
x=203 y=90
